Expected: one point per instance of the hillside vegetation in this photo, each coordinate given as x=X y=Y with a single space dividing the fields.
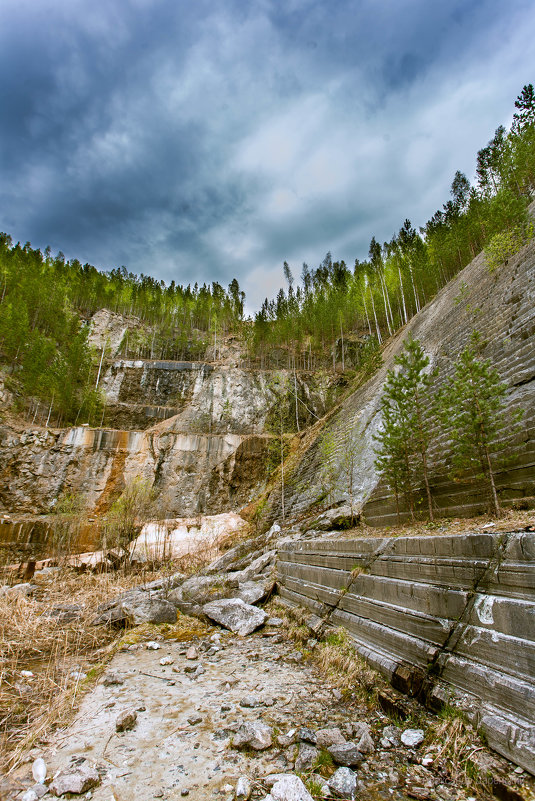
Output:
x=335 y=318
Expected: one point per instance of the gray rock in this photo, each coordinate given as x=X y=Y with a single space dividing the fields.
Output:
x=306 y=757
x=346 y=754
x=64 y=613
x=148 y=610
x=244 y=788
x=166 y=584
x=193 y=593
x=327 y=737
x=112 y=679
x=284 y=740
x=194 y=719
x=307 y=735
x=254 y=591
x=126 y=720
x=336 y=519
x=391 y=737
x=30 y=795
x=290 y=788
x=76 y=780
x=363 y=737
x=412 y=737
x=251 y=701
x=234 y=614
x=343 y=783
x=255 y=734
x=274 y=621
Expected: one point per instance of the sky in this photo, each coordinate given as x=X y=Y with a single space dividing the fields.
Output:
x=211 y=139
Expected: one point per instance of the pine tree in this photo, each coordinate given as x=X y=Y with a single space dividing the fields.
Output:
x=407 y=419
x=472 y=406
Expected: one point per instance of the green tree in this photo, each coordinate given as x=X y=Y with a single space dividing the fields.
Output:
x=473 y=410
x=407 y=424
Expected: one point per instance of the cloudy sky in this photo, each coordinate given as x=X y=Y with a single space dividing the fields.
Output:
x=199 y=140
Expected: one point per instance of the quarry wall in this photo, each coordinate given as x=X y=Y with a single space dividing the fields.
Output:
x=500 y=305
x=434 y=612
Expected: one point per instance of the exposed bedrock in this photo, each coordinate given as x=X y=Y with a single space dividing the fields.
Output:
x=434 y=613
x=501 y=306
x=211 y=455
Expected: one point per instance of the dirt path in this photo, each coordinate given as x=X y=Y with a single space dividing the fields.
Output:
x=188 y=712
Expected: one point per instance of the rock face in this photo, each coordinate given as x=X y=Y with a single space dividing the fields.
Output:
x=199 y=432
x=499 y=305
x=458 y=608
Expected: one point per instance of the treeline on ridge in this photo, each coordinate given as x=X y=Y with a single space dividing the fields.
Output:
x=314 y=321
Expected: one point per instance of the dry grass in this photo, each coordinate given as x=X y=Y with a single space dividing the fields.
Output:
x=56 y=653
x=335 y=656
x=453 y=745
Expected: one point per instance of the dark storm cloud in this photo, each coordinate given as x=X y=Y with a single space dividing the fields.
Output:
x=198 y=141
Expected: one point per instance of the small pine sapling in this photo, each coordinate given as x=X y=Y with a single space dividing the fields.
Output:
x=473 y=409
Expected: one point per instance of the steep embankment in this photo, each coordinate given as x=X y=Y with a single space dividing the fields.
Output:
x=501 y=306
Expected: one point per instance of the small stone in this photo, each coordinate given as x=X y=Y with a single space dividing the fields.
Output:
x=346 y=754
x=337 y=694
x=184 y=792
x=192 y=653
x=328 y=737
x=311 y=643
x=284 y=740
x=199 y=670
x=307 y=735
x=256 y=734
x=75 y=780
x=244 y=788
x=227 y=788
x=306 y=757
x=343 y=783
x=390 y=737
x=290 y=788
x=191 y=668
x=194 y=719
x=412 y=737
x=274 y=621
x=39 y=770
x=153 y=646
x=111 y=679
x=30 y=795
x=126 y=720
x=166 y=660
x=428 y=760
x=250 y=701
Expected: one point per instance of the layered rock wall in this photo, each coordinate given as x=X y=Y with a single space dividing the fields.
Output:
x=433 y=611
x=500 y=305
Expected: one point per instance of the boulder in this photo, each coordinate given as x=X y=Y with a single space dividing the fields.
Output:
x=337 y=519
x=148 y=610
x=343 y=783
x=254 y=591
x=76 y=780
x=193 y=593
x=234 y=614
x=255 y=734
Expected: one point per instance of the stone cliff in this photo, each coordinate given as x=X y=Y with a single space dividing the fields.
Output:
x=500 y=305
